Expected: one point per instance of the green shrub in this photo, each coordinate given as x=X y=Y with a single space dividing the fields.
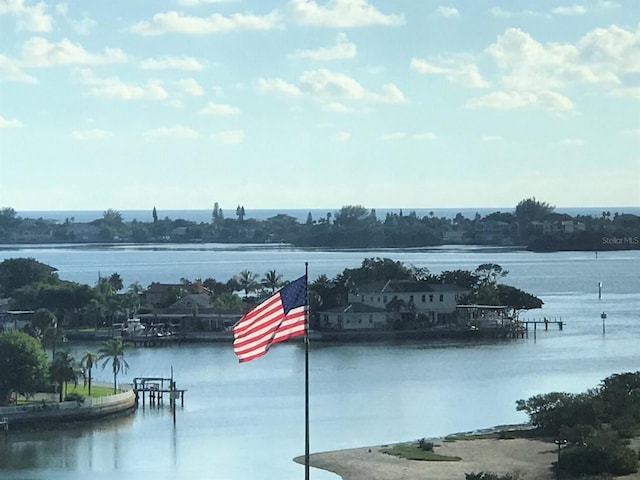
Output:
x=74 y=397
x=490 y=476
x=604 y=453
x=425 y=445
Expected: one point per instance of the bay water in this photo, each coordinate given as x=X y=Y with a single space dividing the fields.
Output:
x=247 y=421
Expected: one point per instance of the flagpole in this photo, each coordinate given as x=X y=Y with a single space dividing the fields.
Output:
x=306 y=379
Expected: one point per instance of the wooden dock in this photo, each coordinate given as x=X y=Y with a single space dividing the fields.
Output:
x=155 y=388
x=544 y=321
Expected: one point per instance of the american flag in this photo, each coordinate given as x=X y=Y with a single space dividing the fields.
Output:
x=278 y=318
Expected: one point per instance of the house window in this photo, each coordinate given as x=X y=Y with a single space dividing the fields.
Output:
x=370 y=318
x=424 y=298
x=362 y=298
x=431 y=297
x=378 y=299
x=372 y=298
x=339 y=318
x=411 y=298
x=441 y=297
x=384 y=299
x=348 y=320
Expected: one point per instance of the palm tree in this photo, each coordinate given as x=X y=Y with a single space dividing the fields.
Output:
x=272 y=280
x=113 y=351
x=247 y=281
x=88 y=361
x=52 y=336
x=63 y=369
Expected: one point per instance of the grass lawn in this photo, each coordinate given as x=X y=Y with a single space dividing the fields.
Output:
x=96 y=391
x=412 y=451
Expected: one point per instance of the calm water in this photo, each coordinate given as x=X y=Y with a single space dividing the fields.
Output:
x=246 y=421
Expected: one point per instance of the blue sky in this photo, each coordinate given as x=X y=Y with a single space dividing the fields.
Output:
x=313 y=104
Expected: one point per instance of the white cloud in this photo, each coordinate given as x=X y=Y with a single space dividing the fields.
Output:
x=393 y=136
x=492 y=138
x=535 y=74
x=572 y=142
x=175 y=22
x=39 y=52
x=93 y=134
x=466 y=75
x=342 y=14
x=342 y=137
x=633 y=132
x=176 y=132
x=606 y=4
x=500 y=12
x=342 y=49
x=219 y=109
x=513 y=100
x=11 y=72
x=325 y=83
x=6 y=123
x=113 y=87
x=191 y=87
x=447 y=12
x=425 y=136
x=572 y=11
x=230 y=137
x=278 y=87
x=196 y=3
x=172 y=63
x=30 y=18
x=337 y=107
x=81 y=27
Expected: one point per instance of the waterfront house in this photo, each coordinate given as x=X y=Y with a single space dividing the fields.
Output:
x=395 y=304
x=354 y=316
x=435 y=301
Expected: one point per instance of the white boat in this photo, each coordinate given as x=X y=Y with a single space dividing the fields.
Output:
x=132 y=328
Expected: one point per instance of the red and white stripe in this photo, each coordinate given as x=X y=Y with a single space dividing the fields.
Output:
x=265 y=325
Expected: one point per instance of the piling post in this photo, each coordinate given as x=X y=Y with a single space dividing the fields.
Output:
x=603 y=316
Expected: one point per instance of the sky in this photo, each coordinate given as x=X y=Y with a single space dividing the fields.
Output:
x=318 y=104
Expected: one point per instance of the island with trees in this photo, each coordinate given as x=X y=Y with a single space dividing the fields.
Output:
x=381 y=299
x=533 y=224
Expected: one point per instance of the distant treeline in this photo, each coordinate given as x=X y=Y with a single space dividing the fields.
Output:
x=532 y=224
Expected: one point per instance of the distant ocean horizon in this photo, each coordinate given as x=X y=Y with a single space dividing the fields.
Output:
x=202 y=215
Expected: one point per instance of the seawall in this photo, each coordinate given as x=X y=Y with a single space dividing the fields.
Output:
x=50 y=412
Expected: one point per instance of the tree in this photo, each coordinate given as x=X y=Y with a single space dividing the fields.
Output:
x=19 y=272
x=240 y=212
x=530 y=210
x=113 y=351
x=351 y=215
x=272 y=280
x=517 y=299
x=63 y=370
x=24 y=364
x=87 y=362
x=247 y=282
x=52 y=336
x=154 y=214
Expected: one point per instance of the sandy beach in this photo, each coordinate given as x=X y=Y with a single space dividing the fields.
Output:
x=532 y=459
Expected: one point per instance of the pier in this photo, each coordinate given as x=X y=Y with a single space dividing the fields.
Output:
x=156 y=388
x=544 y=321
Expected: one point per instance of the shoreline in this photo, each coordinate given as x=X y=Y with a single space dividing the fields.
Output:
x=531 y=458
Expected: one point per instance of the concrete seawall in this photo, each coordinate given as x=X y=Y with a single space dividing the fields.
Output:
x=90 y=408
